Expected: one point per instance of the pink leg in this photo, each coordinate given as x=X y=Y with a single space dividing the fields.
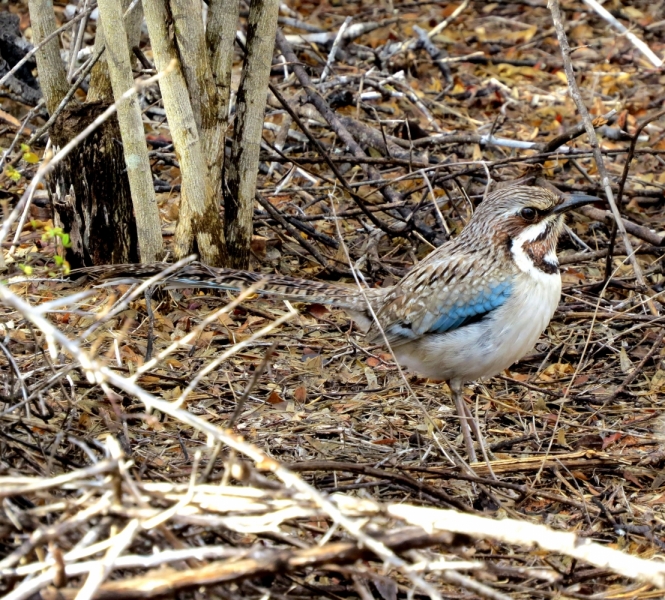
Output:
x=464 y=417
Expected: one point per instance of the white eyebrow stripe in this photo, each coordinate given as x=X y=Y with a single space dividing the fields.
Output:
x=531 y=233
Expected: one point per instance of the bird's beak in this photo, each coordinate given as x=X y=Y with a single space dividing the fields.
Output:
x=575 y=201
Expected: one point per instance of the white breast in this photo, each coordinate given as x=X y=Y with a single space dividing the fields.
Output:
x=519 y=323
x=486 y=348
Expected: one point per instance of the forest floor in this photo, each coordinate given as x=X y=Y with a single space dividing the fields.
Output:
x=574 y=432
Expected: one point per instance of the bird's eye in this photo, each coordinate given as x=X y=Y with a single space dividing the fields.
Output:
x=528 y=214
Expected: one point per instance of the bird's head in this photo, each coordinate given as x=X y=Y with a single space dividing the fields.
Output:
x=528 y=220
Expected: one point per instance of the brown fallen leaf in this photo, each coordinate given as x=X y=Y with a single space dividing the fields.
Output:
x=317 y=310
x=300 y=394
x=9 y=119
x=385 y=442
x=274 y=398
x=611 y=439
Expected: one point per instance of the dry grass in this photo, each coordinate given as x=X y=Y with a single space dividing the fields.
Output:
x=113 y=487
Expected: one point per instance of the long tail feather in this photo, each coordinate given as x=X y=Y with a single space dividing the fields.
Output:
x=198 y=275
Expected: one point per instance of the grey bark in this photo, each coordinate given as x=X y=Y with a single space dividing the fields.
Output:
x=51 y=69
x=220 y=38
x=135 y=149
x=190 y=38
x=89 y=189
x=100 y=79
x=199 y=228
x=210 y=120
x=251 y=102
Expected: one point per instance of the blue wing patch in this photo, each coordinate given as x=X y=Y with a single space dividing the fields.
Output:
x=463 y=313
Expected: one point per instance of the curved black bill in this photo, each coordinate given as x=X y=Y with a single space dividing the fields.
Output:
x=575 y=201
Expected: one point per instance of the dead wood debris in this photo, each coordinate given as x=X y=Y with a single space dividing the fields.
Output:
x=118 y=481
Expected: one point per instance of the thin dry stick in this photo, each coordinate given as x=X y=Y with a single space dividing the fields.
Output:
x=59 y=529
x=638 y=369
x=333 y=50
x=26 y=211
x=637 y=42
x=510 y=531
x=197 y=330
x=250 y=386
x=577 y=370
x=123 y=303
x=233 y=350
x=631 y=149
x=98 y=574
x=441 y=26
x=48 y=165
x=78 y=40
x=471 y=585
x=95 y=373
x=591 y=133
x=47 y=39
x=131 y=561
x=159 y=583
x=309 y=247
x=12 y=486
x=340 y=130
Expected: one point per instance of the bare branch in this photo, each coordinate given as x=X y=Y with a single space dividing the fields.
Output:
x=591 y=133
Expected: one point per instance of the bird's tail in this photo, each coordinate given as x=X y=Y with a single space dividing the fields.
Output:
x=198 y=275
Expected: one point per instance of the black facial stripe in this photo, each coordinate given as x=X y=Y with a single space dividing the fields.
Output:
x=545 y=233
x=541 y=264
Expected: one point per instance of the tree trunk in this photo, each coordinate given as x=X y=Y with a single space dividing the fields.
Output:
x=89 y=190
x=220 y=40
x=199 y=228
x=251 y=102
x=50 y=68
x=210 y=120
x=134 y=146
x=100 y=79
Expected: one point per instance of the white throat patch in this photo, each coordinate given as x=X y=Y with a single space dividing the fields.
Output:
x=523 y=260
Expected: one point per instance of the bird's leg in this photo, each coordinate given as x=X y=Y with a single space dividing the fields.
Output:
x=475 y=428
x=456 y=389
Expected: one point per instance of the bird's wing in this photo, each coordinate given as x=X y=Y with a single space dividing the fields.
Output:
x=440 y=296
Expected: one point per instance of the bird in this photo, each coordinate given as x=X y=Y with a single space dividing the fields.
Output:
x=470 y=309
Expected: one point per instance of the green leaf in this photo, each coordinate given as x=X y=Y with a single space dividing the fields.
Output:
x=12 y=173
x=30 y=158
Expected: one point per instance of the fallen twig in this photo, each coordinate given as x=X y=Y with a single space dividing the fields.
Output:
x=591 y=133
x=637 y=42
x=161 y=581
